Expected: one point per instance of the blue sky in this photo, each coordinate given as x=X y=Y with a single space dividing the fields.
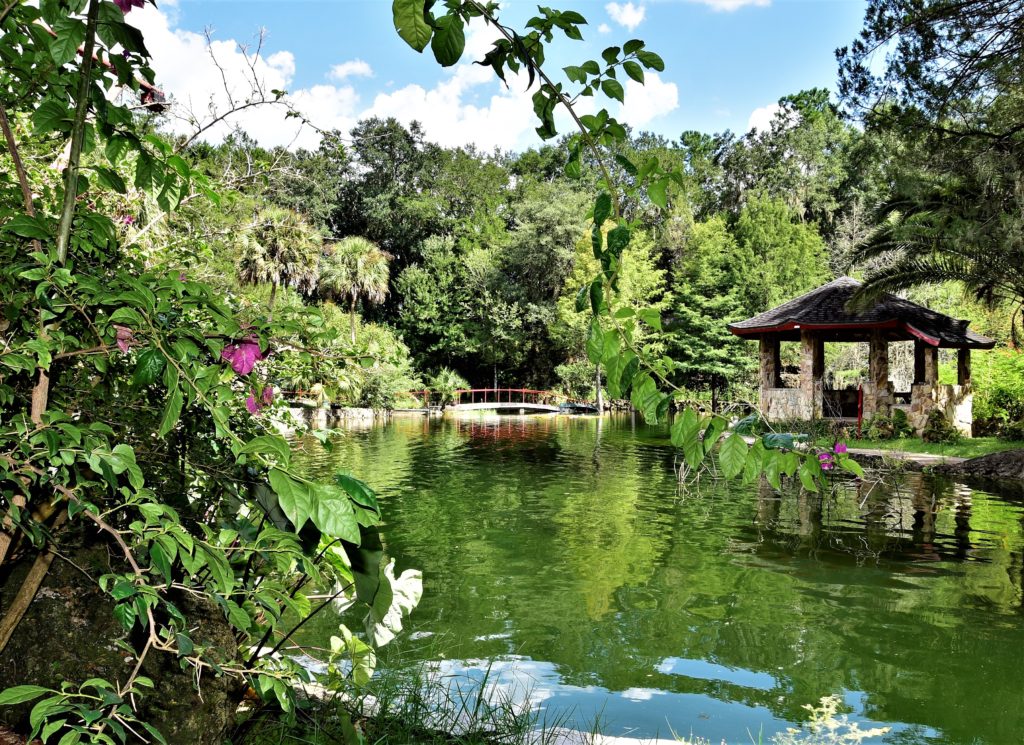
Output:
x=725 y=59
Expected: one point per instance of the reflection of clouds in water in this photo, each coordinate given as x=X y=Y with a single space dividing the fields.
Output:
x=711 y=671
x=526 y=685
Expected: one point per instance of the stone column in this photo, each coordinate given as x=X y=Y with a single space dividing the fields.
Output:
x=931 y=365
x=919 y=347
x=771 y=372
x=812 y=372
x=878 y=388
x=769 y=358
x=923 y=394
x=963 y=366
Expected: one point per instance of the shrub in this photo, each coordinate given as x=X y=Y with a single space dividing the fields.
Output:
x=880 y=428
x=900 y=424
x=939 y=429
x=1013 y=431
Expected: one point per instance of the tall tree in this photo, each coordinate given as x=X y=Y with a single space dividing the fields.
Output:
x=708 y=294
x=951 y=89
x=356 y=269
x=788 y=255
x=280 y=249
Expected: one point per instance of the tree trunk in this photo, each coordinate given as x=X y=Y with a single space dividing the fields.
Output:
x=273 y=295
x=598 y=396
x=352 y=318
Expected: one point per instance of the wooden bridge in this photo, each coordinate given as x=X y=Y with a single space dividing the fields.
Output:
x=505 y=399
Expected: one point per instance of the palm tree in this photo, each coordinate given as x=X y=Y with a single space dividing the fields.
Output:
x=355 y=268
x=280 y=249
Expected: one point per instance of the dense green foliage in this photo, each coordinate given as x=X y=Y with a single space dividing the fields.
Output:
x=160 y=295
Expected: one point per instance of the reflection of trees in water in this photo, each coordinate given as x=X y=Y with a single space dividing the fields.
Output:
x=541 y=539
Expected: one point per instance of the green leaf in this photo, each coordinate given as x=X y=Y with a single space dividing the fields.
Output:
x=595 y=342
x=776 y=441
x=602 y=208
x=149 y=367
x=597 y=296
x=850 y=465
x=613 y=89
x=610 y=55
x=111 y=179
x=755 y=459
x=294 y=497
x=269 y=445
x=51 y=728
x=410 y=23
x=807 y=478
x=449 y=40
x=172 y=412
x=657 y=192
x=597 y=240
x=732 y=456
x=582 y=298
x=70 y=35
x=650 y=316
x=634 y=71
x=71 y=738
x=685 y=434
x=145 y=170
x=646 y=397
x=333 y=513
x=631 y=46
x=715 y=429
x=575 y=74
x=158 y=559
x=770 y=463
x=359 y=492
x=21 y=694
x=27 y=227
x=618 y=239
x=651 y=61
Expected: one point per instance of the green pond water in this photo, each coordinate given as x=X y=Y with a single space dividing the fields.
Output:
x=561 y=553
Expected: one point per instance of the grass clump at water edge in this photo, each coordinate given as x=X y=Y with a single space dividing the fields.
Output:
x=421 y=706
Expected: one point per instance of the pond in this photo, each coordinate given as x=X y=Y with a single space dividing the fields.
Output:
x=563 y=551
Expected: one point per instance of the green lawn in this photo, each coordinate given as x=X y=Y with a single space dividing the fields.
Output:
x=966 y=448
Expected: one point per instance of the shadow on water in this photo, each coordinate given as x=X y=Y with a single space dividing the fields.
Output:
x=563 y=550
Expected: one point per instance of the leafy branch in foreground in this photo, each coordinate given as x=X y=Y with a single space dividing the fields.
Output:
x=130 y=418
x=612 y=337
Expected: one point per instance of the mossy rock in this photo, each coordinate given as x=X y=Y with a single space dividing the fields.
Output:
x=69 y=633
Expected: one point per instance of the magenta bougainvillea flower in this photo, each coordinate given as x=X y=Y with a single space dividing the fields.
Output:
x=840 y=447
x=826 y=461
x=254 y=405
x=127 y=5
x=243 y=354
x=125 y=337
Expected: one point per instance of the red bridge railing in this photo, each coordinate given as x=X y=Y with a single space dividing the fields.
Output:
x=497 y=396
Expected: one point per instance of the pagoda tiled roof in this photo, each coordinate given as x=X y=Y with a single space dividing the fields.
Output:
x=829 y=308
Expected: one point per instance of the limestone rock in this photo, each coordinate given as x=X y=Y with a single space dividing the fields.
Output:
x=70 y=634
x=1008 y=464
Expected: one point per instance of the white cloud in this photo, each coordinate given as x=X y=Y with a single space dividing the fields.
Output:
x=646 y=102
x=761 y=117
x=467 y=106
x=355 y=68
x=627 y=15
x=728 y=6
x=604 y=28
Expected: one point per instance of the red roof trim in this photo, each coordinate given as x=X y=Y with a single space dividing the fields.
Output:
x=793 y=326
x=922 y=336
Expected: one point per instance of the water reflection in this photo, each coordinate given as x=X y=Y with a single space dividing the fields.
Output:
x=568 y=551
